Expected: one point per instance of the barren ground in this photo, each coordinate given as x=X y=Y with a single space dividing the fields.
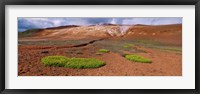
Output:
x=163 y=49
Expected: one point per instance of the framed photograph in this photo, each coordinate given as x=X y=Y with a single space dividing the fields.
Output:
x=122 y=47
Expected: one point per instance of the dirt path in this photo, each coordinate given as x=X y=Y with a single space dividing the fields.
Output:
x=34 y=47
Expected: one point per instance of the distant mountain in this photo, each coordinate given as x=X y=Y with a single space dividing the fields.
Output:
x=141 y=25
x=74 y=32
x=29 y=32
x=62 y=27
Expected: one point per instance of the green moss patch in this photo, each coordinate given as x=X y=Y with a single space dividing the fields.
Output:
x=57 y=61
x=80 y=63
x=99 y=53
x=104 y=50
x=128 y=45
x=84 y=63
x=137 y=58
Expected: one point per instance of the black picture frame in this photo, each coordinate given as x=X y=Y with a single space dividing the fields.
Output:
x=98 y=2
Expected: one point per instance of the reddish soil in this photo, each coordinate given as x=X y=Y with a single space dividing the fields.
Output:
x=164 y=63
x=171 y=34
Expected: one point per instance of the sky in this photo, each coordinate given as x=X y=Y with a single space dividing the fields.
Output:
x=25 y=23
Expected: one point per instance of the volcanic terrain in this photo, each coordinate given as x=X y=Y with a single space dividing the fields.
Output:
x=160 y=43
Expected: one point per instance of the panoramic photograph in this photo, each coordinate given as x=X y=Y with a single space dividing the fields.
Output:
x=99 y=46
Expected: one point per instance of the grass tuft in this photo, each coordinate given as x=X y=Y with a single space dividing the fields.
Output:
x=137 y=58
x=128 y=45
x=99 y=53
x=79 y=63
x=104 y=50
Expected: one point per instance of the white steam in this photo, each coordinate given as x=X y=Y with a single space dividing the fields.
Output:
x=113 y=21
x=124 y=29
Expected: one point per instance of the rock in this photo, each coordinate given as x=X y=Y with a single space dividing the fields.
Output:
x=45 y=52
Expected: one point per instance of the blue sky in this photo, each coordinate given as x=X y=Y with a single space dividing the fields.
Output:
x=25 y=23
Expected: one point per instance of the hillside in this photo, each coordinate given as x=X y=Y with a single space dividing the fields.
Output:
x=154 y=50
x=168 y=33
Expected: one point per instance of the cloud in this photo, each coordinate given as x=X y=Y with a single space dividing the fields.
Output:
x=29 y=23
x=25 y=23
x=152 y=21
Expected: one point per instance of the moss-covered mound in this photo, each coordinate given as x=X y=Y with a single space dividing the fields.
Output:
x=137 y=58
x=128 y=45
x=80 y=63
x=103 y=51
x=84 y=63
x=58 y=61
